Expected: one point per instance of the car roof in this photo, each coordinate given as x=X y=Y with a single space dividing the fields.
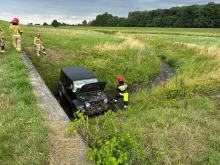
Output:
x=77 y=73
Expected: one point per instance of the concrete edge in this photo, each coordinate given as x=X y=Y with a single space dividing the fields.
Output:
x=46 y=100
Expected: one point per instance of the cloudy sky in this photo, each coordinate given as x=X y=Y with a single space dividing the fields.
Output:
x=74 y=11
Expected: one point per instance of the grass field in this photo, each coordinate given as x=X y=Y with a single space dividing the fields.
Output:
x=178 y=124
x=206 y=32
x=23 y=134
x=173 y=124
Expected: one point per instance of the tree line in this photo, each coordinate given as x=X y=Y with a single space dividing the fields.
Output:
x=197 y=16
x=56 y=23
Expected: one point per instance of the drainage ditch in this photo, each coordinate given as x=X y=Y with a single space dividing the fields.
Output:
x=166 y=72
x=72 y=150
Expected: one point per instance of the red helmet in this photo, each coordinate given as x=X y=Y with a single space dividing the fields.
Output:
x=37 y=34
x=120 y=78
x=15 y=20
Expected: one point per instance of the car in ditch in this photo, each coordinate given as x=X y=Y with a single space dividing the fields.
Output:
x=83 y=91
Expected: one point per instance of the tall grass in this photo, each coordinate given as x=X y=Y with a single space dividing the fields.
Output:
x=207 y=42
x=172 y=125
x=106 y=55
x=206 y=32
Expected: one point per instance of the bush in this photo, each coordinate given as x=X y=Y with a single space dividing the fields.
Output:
x=114 y=151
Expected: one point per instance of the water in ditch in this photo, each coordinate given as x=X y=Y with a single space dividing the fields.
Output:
x=166 y=72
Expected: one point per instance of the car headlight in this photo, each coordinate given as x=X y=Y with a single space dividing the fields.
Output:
x=74 y=90
x=88 y=105
x=106 y=101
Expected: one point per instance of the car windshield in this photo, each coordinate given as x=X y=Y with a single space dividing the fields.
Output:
x=80 y=83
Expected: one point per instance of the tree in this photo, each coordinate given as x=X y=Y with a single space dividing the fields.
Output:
x=187 y=16
x=64 y=24
x=84 y=23
x=45 y=24
x=55 y=23
x=89 y=23
x=102 y=20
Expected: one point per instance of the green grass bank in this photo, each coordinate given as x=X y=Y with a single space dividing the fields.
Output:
x=23 y=132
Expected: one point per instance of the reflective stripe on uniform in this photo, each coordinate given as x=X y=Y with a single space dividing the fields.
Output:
x=126 y=97
x=123 y=87
x=121 y=94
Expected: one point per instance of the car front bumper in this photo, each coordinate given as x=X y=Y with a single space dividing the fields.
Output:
x=93 y=110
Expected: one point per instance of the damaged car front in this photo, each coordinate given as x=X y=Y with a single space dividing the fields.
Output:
x=82 y=90
x=91 y=98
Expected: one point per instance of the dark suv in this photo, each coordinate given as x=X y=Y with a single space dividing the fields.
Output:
x=82 y=90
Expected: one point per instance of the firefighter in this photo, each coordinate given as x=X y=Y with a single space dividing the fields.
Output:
x=39 y=45
x=16 y=34
x=122 y=89
x=2 y=41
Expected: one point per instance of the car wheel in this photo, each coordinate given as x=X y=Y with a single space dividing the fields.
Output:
x=115 y=107
x=74 y=115
x=113 y=104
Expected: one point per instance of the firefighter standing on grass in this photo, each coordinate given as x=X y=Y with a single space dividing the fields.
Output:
x=2 y=41
x=39 y=45
x=122 y=89
x=16 y=34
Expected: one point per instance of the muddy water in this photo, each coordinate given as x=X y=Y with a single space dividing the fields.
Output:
x=166 y=72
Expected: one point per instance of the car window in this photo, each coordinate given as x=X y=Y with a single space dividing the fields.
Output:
x=78 y=84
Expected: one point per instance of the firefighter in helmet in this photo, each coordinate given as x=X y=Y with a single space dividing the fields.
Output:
x=2 y=41
x=16 y=33
x=39 y=45
x=122 y=89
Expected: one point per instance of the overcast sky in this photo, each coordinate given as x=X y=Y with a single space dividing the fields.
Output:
x=74 y=11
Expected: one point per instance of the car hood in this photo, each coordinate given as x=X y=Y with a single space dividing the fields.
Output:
x=99 y=86
x=92 y=96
